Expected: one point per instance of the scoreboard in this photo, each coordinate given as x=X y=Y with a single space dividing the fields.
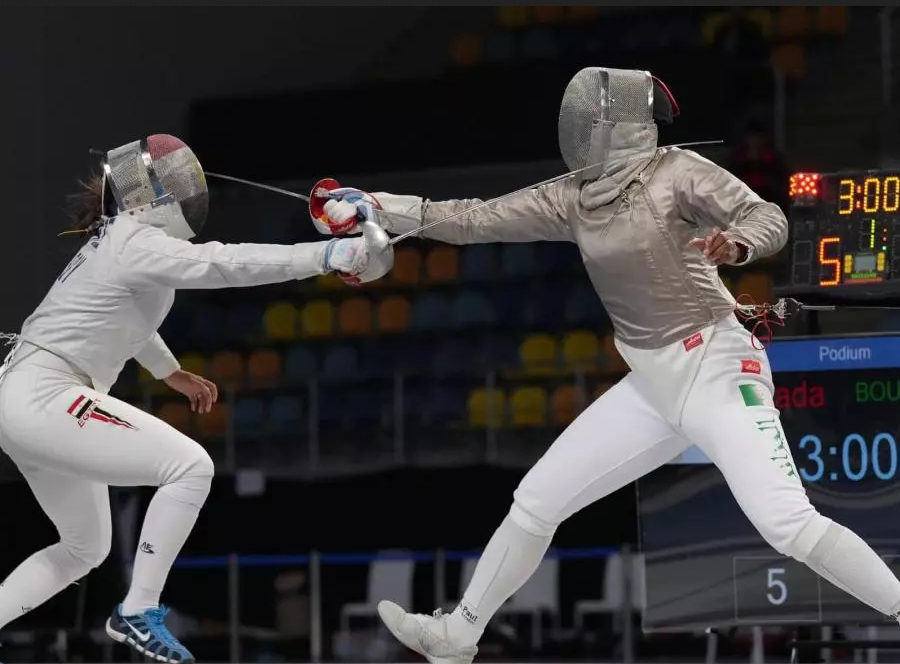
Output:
x=706 y=564
x=844 y=234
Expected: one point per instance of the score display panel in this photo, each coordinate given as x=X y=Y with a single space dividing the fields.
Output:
x=705 y=563
x=844 y=233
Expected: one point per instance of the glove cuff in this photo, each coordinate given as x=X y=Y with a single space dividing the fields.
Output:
x=394 y=204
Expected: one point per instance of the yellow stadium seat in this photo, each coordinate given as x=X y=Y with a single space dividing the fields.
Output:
x=613 y=360
x=486 y=407
x=194 y=363
x=213 y=424
x=757 y=286
x=790 y=60
x=549 y=13
x=149 y=384
x=581 y=351
x=178 y=415
x=566 y=403
x=393 y=314
x=442 y=265
x=407 y=267
x=329 y=282
x=317 y=319
x=227 y=369
x=539 y=354
x=264 y=368
x=514 y=16
x=281 y=321
x=355 y=316
x=528 y=407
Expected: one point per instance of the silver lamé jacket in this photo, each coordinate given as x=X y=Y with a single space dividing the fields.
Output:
x=633 y=235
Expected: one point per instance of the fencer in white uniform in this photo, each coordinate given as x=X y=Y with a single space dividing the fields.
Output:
x=652 y=225
x=69 y=438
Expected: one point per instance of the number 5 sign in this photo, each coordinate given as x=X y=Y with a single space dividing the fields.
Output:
x=775 y=589
x=778 y=591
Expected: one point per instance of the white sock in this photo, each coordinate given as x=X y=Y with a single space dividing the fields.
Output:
x=845 y=560
x=169 y=520
x=39 y=578
x=508 y=561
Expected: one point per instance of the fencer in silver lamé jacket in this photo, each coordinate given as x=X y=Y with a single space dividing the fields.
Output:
x=656 y=288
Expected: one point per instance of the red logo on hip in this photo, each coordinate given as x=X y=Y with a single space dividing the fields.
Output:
x=696 y=339
x=751 y=366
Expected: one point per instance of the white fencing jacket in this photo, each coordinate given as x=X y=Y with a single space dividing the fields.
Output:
x=107 y=304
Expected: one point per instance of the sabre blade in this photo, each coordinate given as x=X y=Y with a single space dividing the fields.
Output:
x=259 y=185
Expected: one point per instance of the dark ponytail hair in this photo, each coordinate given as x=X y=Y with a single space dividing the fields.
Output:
x=85 y=207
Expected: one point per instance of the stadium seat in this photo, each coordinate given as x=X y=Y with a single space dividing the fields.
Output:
x=227 y=369
x=495 y=351
x=442 y=265
x=566 y=403
x=431 y=312
x=518 y=260
x=581 y=351
x=514 y=17
x=584 y=12
x=299 y=366
x=194 y=363
x=794 y=22
x=540 y=308
x=355 y=317
x=790 y=59
x=528 y=407
x=340 y=364
x=393 y=314
x=329 y=282
x=486 y=407
x=473 y=309
x=549 y=14
x=467 y=50
x=539 y=355
x=583 y=308
x=317 y=319
x=213 y=424
x=757 y=286
x=286 y=417
x=280 y=321
x=207 y=326
x=612 y=359
x=245 y=323
x=442 y=405
x=178 y=415
x=249 y=419
x=407 y=267
x=264 y=368
x=832 y=20
x=478 y=262
x=150 y=385
x=451 y=357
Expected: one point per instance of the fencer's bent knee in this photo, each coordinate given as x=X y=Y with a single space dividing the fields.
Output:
x=800 y=539
x=529 y=522
x=193 y=481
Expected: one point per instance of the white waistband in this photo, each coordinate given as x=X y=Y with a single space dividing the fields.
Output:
x=27 y=355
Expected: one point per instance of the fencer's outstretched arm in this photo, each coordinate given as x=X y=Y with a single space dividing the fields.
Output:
x=149 y=256
x=711 y=196
x=531 y=216
x=156 y=358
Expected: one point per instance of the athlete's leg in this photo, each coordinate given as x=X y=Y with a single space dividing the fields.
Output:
x=80 y=511
x=619 y=438
x=730 y=414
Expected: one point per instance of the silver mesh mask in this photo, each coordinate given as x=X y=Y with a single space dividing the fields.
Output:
x=158 y=167
x=595 y=100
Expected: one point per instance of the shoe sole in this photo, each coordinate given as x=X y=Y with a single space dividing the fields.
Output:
x=124 y=639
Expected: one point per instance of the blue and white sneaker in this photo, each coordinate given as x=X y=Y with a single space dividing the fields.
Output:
x=147 y=633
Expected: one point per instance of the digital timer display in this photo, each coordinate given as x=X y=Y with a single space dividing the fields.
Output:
x=706 y=565
x=844 y=231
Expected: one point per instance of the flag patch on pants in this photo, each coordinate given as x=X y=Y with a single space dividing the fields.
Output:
x=753 y=394
x=84 y=410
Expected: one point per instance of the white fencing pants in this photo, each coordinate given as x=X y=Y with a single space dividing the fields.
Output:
x=71 y=442
x=724 y=405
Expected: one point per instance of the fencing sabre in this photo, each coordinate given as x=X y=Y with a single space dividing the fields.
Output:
x=467 y=210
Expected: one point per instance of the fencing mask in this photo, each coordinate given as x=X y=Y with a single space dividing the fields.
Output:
x=163 y=171
x=596 y=100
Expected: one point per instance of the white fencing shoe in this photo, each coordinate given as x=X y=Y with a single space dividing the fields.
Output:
x=426 y=635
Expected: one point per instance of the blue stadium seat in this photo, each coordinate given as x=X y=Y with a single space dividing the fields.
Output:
x=208 y=326
x=365 y=405
x=286 y=416
x=478 y=262
x=542 y=307
x=249 y=418
x=376 y=359
x=340 y=364
x=496 y=352
x=518 y=260
x=443 y=404
x=583 y=307
x=431 y=312
x=473 y=309
x=245 y=322
x=412 y=357
x=451 y=358
x=299 y=365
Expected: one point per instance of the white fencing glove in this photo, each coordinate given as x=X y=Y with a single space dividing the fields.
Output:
x=338 y=210
x=359 y=260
